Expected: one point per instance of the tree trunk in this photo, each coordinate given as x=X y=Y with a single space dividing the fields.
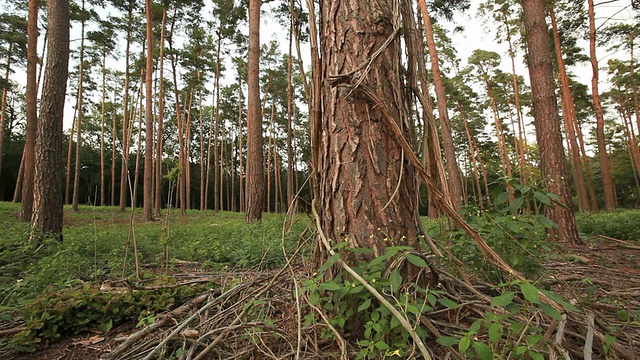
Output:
x=47 y=205
x=569 y=112
x=114 y=138
x=607 y=180
x=547 y=123
x=216 y=158
x=290 y=175
x=241 y=171
x=28 y=158
x=148 y=145
x=67 y=182
x=255 y=163
x=367 y=186
x=455 y=185
x=76 y=173
x=3 y=107
x=102 y=111
x=124 y=173
x=159 y=151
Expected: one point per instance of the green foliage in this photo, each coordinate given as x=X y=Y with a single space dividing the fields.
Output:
x=518 y=238
x=506 y=330
x=84 y=307
x=619 y=224
x=354 y=310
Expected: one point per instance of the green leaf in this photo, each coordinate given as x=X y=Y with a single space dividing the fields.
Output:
x=394 y=322
x=550 y=311
x=416 y=260
x=530 y=293
x=314 y=298
x=447 y=340
x=502 y=198
x=365 y=305
x=483 y=351
x=395 y=279
x=330 y=286
x=329 y=263
x=535 y=355
x=514 y=226
x=495 y=332
x=448 y=303
x=475 y=327
x=516 y=203
x=381 y=345
x=464 y=343
x=543 y=198
x=546 y=222
x=559 y=300
x=503 y=299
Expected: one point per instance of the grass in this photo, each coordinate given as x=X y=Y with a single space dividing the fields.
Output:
x=98 y=239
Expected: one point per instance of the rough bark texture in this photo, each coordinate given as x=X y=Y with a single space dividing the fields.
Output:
x=547 y=122
x=255 y=162
x=148 y=146
x=47 y=210
x=159 y=151
x=605 y=172
x=367 y=188
x=26 y=209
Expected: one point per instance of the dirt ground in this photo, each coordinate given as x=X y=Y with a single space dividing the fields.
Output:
x=604 y=275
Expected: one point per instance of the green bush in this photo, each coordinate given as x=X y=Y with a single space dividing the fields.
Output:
x=620 y=224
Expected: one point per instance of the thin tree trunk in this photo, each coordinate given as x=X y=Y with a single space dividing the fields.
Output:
x=28 y=156
x=454 y=182
x=569 y=112
x=148 y=147
x=3 y=107
x=136 y=172
x=67 y=185
x=76 y=173
x=114 y=140
x=159 y=151
x=216 y=158
x=202 y=157
x=187 y=145
x=607 y=180
x=290 y=175
x=240 y=148
x=474 y=161
x=124 y=173
x=102 y=113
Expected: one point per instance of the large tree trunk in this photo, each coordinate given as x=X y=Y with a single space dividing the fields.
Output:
x=255 y=162
x=605 y=172
x=47 y=209
x=28 y=158
x=547 y=122
x=455 y=185
x=367 y=186
x=148 y=145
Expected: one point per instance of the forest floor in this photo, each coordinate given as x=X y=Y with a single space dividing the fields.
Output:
x=604 y=276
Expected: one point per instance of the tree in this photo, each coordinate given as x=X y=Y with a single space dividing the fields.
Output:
x=366 y=184
x=47 y=205
x=13 y=35
x=607 y=181
x=26 y=209
x=547 y=123
x=255 y=162
x=455 y=185
x=148 y=147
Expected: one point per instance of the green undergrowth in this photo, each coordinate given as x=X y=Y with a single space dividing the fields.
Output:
x=98 y=242
x=621 y=224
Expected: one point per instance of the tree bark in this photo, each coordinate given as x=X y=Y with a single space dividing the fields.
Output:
x=605 y=172
x=547 y=123
x=147 y=205
x=255 y=162
x=28 y=159
x=3 y=107
x=367 y=186
x=124 y=171
x=47 y=209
